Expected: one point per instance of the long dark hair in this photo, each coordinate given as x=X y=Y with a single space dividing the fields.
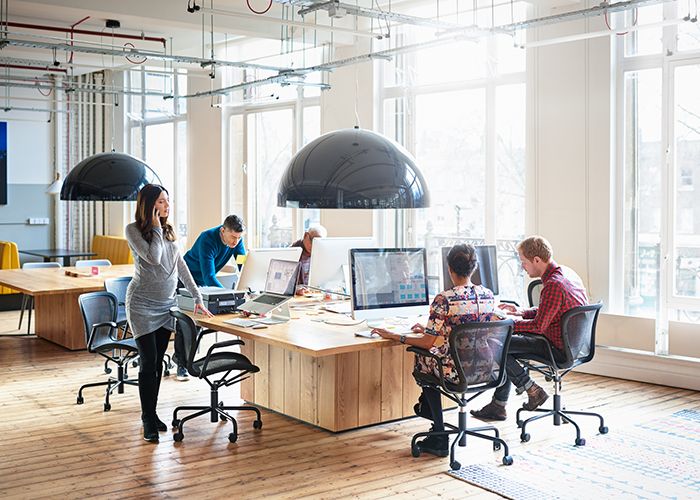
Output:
x=145 y=203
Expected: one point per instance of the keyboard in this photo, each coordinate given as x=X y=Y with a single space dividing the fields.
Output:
x=245 y=323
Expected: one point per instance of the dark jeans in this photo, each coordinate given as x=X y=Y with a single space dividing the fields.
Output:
x=434 y=400
x=179 y=354
x=521 y=347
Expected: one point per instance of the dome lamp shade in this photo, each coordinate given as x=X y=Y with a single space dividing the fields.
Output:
x=107 y=177
x=353 y=168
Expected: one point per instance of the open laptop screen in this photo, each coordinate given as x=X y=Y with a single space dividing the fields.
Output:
x=282 y=277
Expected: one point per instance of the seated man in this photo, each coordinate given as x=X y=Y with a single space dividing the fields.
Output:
x=209 y=254
x=306 y=243
x=558 y=296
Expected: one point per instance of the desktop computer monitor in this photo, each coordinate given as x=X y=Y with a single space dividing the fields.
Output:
x=388 y=282
x=330 y=258
x=486 y=273
x=257 y=263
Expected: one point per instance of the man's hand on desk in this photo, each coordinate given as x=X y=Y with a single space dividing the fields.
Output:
x=200 y=309
x=511 y=309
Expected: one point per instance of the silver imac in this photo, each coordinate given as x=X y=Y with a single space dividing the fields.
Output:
x=257 y=263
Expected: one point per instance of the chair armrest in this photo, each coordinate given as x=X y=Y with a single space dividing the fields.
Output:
x=427 y=354
x=505 y=301
x=111 y=324
x=216 y=346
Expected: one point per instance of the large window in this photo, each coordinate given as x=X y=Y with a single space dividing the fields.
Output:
x=460 y=109
x=660 y=157
x=158 y=134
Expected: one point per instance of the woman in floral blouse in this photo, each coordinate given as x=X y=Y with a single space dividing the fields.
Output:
x=463 y=303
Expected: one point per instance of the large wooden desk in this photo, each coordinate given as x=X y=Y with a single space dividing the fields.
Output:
x=324 y=375
x=57 y=313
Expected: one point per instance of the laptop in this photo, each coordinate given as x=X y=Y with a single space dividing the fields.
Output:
x=280 y=285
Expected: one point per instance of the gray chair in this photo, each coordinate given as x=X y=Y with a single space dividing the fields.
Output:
x=28 y=300
x=479 y=351
x=232 y=367
x=99 y=311
x=578 y=333
x=93 y=262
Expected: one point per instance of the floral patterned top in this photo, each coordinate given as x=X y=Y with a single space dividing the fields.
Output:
x=456 y=306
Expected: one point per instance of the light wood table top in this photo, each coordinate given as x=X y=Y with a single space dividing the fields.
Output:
x=304 y=333
x=49 y=281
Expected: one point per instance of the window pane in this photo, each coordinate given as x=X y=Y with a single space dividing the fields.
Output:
x=510 y=187
x=134 y=84
x=159 y=154
x=156 y=106
x=687 y=172
x=450 y=152
x=269 y=151
x=456 y=61
x=238 y=170
x=644 y=41
x=642 y=195
x=395 y=119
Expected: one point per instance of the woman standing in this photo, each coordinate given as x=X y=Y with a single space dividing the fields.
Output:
x=464 y=303
x=151 y=294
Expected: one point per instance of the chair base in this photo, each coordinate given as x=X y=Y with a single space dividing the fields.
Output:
x=462 y=432
x=559 y=416
x=216 y=410
x=112 y=383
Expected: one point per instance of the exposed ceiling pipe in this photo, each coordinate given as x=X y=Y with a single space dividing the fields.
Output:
x=37 y=110
x=69 y=88
x=43 y=27
x=34 y=68
x=130 y=52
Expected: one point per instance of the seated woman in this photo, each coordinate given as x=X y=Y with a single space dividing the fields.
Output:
x=463 y=303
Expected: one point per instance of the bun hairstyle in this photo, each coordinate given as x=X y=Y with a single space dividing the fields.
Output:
x=462 y=260
x=145 y=204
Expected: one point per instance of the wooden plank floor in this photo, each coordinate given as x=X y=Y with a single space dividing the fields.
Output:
x=51 y=447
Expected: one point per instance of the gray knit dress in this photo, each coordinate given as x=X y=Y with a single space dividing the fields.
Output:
x=151 y=292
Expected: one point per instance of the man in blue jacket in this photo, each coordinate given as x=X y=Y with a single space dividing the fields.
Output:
x=209 y=254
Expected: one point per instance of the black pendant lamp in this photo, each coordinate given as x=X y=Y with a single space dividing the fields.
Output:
x=353 y=168
x=107 y=177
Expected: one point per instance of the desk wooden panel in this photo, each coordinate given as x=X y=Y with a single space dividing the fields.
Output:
x=57 y=313
x=324 y=375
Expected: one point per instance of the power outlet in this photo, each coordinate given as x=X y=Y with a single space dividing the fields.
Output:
x=38 y=221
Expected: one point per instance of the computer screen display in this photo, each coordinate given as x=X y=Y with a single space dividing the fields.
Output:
x=486 y=273
x=257 y=263
x=282 y=277
x=388 y=278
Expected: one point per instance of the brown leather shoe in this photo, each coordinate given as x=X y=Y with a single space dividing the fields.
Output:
x=491 y=411
x=536 y=397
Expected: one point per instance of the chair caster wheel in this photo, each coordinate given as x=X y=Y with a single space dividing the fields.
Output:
x=80 y=400
x=107 y=407
x=603 y=429
x=257 y=424
x=455 y=465
x=524 y=437
x=178 y=436
x=519 y=424
x=496 y=446
x=233 y=437
x=176 y=423
x=580 y=442
x=507 y=460
x=166 y=373
x=108 y=370
x=415 y=451
x=134 y=364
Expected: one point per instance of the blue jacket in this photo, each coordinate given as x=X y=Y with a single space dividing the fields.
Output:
x=208 y=255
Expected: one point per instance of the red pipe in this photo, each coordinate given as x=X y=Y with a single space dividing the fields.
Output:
x=85 y=32
x=16 y=66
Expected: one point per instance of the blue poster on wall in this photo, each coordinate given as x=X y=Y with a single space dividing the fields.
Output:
x=3 y=163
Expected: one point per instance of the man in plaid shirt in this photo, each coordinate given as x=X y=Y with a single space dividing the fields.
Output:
x=558 y=295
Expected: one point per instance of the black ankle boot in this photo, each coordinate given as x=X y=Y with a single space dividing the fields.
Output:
x=148 y=395
x=160 y=425
x=150 y=430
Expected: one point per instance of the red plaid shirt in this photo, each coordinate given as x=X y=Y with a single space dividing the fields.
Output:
x=558 y=296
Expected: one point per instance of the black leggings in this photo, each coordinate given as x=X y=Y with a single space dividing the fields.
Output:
x=152 y=347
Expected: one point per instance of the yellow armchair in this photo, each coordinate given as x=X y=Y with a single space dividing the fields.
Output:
x=9 y=259
x=113 y=248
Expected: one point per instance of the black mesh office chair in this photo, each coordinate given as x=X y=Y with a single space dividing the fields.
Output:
x=118 y=287
x=578 y=332
x=534 y=289
x=215 y=361
x=479 y=352
x=99 y=311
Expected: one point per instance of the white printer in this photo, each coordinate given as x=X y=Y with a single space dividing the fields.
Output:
x=217 y=300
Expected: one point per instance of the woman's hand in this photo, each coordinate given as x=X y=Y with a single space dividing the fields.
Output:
x=199 y=308
x=510 y=309
x=418 y=328
x=383 y=332
x=156 y=218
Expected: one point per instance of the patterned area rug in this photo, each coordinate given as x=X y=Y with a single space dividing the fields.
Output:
x=657 y=459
